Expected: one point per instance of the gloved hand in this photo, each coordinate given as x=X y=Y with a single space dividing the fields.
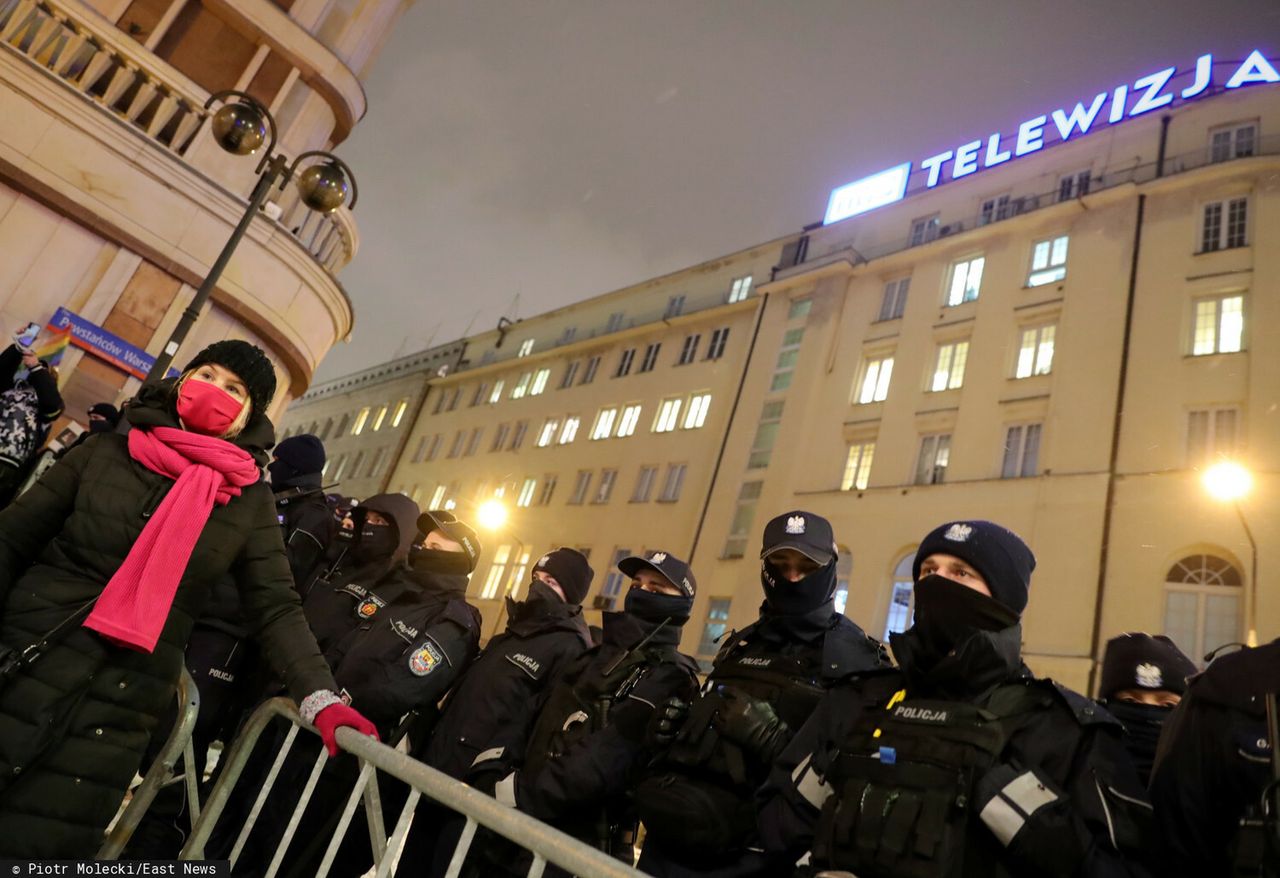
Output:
x=752 y=724
x=1032 y=819
x=665 y=722
x=337 y=716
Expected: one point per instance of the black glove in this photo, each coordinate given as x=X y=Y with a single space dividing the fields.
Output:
x=666 y=721
x=1032 y=819
x=752 y=724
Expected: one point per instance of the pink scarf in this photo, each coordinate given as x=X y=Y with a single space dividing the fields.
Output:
x=135 y=604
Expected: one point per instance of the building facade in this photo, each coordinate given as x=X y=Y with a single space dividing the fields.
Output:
x=1062 y=344
x=115 y=199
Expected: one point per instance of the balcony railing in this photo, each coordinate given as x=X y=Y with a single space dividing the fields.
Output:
x=129 y=82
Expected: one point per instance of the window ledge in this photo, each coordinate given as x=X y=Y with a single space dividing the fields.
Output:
x=1189 y=357
x=1244 y=246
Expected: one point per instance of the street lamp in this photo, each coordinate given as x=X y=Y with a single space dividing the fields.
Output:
x=241 y=127
x=491 y=514
x=1229 y=482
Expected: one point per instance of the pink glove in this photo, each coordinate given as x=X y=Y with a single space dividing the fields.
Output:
x=337 y=716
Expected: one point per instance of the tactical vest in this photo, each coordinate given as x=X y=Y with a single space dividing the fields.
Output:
x=901 y=787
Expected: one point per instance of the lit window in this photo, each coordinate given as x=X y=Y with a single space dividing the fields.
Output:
x=1215 y=234
x=715 y=626
x=1021 y=451
x=895 y=298
x=605 y=487
x=674 y=482
x=744 y=513
x=1035 y=351
x=358 y=427
x=1211 y=435
x=569 y=431
x=740 y=289
x=966 y=280
x=518 y=571
x=644 y=484
x=627 y=423
x=1048 y=261
x=539 y=381
x=901 y=614
x=496 y=396
x=719 y=338
x=437 y=497
x=547 y=434
x=766 y=435
x=696 y=415
x=522 y=386
x=935 y=454
x=923 y=230
x=689 y=351
x=948 y=370
x=1233 y=141
x=603 y=426
x=787 y=356
x=379 y=418
x=525 y=498
x=580 y=488
x=1073 y=185
x=650 y=357
x=874 y=386
x=668 y=416
x=799 y=308
x=398 y=416
x=497 y=573
x=1203 y=603
x=526 y=348
x=1219 y=325
x=857 y=466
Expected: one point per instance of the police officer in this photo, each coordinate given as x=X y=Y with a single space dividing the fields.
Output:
x=1216 y=757
x=485 y=724
x=589 y=739
x=959 y=762
x=1142 y=681
x=305 y=519
x=697 y=804
x=374 y=536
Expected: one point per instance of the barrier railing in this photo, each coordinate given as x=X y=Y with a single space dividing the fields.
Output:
x=546 y=844
x=161 y=772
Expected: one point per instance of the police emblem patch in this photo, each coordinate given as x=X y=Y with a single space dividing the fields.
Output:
x=958 y=532
x=542 y=562
x=367 y=608
x=424 y=659
x=795 y=524
x=658 y=557
x=1148 y=676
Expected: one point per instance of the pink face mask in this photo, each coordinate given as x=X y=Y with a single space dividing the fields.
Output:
x=207 y=408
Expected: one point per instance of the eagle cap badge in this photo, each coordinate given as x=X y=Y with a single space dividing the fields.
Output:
x=1148 y=676
x=958 y=532
x=795 y=524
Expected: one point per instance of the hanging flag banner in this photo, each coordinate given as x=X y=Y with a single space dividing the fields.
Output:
x=98 y=342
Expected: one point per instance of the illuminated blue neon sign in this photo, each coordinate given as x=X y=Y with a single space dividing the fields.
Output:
x=1146 y=94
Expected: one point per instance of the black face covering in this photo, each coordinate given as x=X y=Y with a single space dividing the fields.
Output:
x=651 y=606
x=346 y=535
x=281 y=473
x=1142 y=724
x=377 y=541
x=103 y=426
x=948 y=614
x=797 y=598
x=540 y=591
x=439 y=561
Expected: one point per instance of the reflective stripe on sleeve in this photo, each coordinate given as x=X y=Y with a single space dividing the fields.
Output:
x=808 y=784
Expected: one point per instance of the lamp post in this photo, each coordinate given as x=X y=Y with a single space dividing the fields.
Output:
x=241 y=128
x=1229 y=482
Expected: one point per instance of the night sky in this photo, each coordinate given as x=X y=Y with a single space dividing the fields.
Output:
x=519 y=155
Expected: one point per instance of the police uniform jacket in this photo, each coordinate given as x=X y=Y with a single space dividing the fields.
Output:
x=1213 y=762
x=588 y=740
x=1097 y=820
x=341 y=597
x=486 y=720
x=306 y=523
x=405 y=654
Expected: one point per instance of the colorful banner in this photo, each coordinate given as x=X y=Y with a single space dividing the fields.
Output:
x=95 y=340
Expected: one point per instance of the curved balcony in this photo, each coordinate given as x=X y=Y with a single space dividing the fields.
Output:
x=123 y=78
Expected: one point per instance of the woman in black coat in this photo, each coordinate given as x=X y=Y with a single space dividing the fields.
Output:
x=183 y=485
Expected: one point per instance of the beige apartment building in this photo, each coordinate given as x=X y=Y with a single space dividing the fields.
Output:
x=115 y=199
x=1062 y=344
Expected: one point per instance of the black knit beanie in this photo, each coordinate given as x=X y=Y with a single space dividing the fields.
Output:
x=1140 y=661
x=571 y=570
x=996 y=552
x=250 y=364
x=303 y=454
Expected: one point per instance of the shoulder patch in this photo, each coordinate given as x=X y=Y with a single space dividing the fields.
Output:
x=425 y=659
x=526 y=663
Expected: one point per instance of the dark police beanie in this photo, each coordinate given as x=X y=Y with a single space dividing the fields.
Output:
x=997 y=553
x=303 y=454
x=1140 y=661
x=250 y=364
x=106 y=410
x=569 y=567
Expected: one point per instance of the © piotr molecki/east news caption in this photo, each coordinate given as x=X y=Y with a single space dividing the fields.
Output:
x=114 y=867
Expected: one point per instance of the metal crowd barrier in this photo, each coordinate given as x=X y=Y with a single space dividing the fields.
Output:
x=548 y=845
x=161 y=772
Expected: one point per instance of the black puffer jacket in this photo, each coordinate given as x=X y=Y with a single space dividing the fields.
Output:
x=73 y=727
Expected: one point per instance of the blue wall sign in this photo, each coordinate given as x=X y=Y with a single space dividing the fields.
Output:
x=1151 y=92
x=95 y=340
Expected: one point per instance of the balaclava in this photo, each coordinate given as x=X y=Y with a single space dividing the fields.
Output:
x=110 y=415
x=568 y=567
x=653 y=607
x=438 y=561
x=811 y=536
x=296 y=456
x=1141 y=661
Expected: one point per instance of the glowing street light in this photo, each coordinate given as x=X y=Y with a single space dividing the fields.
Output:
x=1228 y=482
x=492 y=514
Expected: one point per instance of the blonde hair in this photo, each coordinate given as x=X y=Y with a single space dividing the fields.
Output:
x=242 y=419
